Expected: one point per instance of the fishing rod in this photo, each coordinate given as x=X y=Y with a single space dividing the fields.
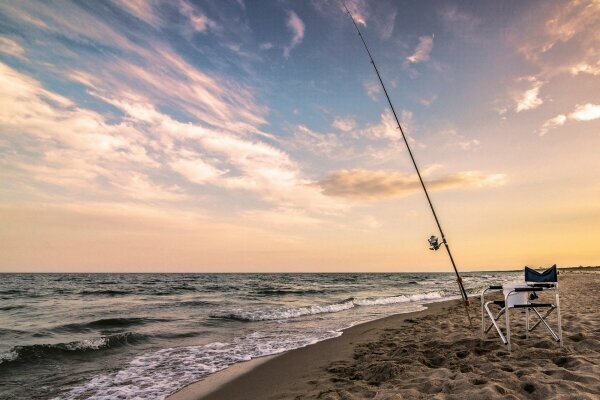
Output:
x=432 y=240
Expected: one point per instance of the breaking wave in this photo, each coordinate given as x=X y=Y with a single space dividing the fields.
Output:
x=294 y=312
x=23 y=353
x=106 y=323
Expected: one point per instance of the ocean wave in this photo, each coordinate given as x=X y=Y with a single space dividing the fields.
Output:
x=154 y=375
x=11 y=291
x=178 y=335
x=190 y=288
x=283 y=292
x=105 y=323
x=294 y=312
x=103 y=292
x=12 y=307
x=28 y=352
x=284 y=313
x=191 y=303
x=8 y=331
x=398 y=299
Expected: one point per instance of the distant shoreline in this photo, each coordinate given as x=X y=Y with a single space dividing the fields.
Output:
x=518 y=269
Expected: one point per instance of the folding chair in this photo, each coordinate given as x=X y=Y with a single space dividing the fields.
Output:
x=523 y=295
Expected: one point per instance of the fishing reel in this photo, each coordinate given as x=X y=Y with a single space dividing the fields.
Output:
x=433 y=243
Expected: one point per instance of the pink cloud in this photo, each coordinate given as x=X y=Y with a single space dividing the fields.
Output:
x=297 y=27
x=422 y=50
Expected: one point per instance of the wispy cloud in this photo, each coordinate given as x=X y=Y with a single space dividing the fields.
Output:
x=428 y=101
x=199 y=22
x=11 y=47
x=323 y=143
x=387 y=128
x=386 y=26
x=585 y=68
x=88 y=152
x=586 y=112
x=344 y=124
x=170 y=80
x=149 y=11
x=72 y=147
x=372 y=88
x=460 y=22
x=455 y=139
x=73 y=23
x=558 y=40
x=367 y=185
x=562 y=23
x=359 y=11
x=582 y=112
x=422 y=50
x=530 y=99
x=297 y=27
x=143 y=10
x=553 y=123
x=196 y=170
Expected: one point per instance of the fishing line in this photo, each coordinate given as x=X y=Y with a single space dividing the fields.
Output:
x=463 y=292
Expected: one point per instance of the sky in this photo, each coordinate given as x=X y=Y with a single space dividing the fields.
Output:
x=242 y=136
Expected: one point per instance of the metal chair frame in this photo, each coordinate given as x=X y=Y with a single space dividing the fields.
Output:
x=504 y=310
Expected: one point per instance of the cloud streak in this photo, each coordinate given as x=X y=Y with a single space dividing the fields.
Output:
x=586 y=112
x=530 y=99
x=359 y=11
x=198 y=21
x=11 y=47
x=373 y=89
x=368 y=185
x=582 y=112
x=422 y=50
x=344 y=124
x=295 y=24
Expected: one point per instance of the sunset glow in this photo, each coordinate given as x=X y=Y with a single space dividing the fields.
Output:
x=238 y=136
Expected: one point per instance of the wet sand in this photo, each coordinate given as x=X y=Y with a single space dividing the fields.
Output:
x=434 y=354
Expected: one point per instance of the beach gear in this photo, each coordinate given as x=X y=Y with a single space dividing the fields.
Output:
x=522 y=295
x=436 y=245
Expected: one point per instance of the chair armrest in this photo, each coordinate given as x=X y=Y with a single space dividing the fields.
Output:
x=529 y=289
x=495 y=287
x=544 y=285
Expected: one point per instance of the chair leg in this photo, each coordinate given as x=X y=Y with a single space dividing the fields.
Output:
x=527 y=323
x=494 y=324
x=546 y=325
x=496 y=318
x=558 y=319
x=539 y=320
x=482 y=318
x=507 y=327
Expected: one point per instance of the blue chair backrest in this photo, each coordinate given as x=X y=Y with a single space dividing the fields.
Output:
x=549 y=275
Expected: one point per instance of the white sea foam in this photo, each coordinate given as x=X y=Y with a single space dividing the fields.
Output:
x=269 y=314
x=153 y=376
x=279 y=313
x=398 y=299
x=10 y=355
x=87 y=344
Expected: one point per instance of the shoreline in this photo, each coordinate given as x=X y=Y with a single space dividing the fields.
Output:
x=204 y=387
x=431 y=353
x=221 y=384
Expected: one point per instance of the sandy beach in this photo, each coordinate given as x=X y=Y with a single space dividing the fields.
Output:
x=433 y=354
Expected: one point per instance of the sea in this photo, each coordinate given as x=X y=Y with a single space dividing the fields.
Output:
x=144 y=336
